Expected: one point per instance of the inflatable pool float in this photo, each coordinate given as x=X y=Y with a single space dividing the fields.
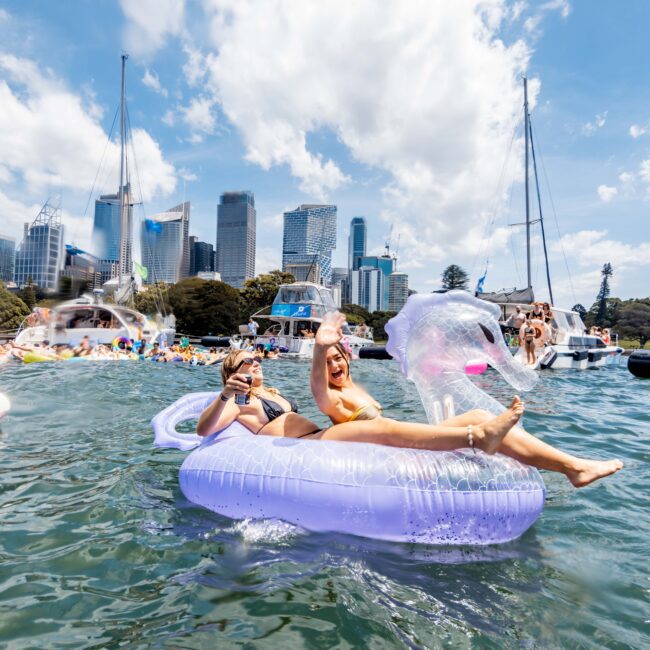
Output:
x=638 y=363
x=35 y=357
x=370 y=490
x=5 y=405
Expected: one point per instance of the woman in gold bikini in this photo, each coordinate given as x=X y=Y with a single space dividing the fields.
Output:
x=345 y=402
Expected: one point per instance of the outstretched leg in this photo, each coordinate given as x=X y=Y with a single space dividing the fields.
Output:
x=487 y=435
x=528 y=449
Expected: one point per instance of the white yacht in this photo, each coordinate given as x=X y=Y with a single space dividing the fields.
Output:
x=564 y=343
x=88 y=316
x=297 y=312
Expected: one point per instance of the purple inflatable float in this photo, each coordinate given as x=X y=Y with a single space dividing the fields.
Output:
x=389 y=493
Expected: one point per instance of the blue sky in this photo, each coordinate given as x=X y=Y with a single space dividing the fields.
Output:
x=404 y=114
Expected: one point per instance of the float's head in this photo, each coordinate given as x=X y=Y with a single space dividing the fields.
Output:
x=443 y=333
x=245 y=363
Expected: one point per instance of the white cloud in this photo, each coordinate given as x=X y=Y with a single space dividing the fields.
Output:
x=150 y=23
x=267 y=259
x=51 y=140
x=432 y=101
x=195 y=67
x=168 y=118
x=606 y=193
x=199 y=117
x=274 y=221
x=151 y=80
x=557 y=5
x=591 y=247
x=644 y=171
x=626 y=177
x=598 y=123
x=187 y=175
x=4 y=15
x=637 y=131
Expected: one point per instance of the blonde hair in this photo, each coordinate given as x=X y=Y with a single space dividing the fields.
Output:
x=229 y=367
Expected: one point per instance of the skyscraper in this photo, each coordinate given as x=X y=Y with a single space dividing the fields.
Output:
x=236 y=230
x=106 y=231
x=357 y=242
x=201 y=256
x=40 y=255
x=308 y=241
x=7 y=258
x=165 y=245
x=367 y=288
x=398 y=290
x=384 y=264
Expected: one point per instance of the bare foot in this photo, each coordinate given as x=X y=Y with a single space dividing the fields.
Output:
x=490 y=434
x=591 y=470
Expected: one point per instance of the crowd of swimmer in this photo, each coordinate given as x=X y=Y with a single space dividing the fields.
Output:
x=536 y=328
x=130 y=350
x=356 y=416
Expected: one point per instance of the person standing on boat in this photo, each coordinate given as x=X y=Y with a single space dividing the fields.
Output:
x=252 y=327
x=527 y=336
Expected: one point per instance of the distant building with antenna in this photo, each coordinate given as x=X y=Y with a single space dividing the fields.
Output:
x=308 y=241
x=40 y=256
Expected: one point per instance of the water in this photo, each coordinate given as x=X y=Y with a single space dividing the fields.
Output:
x=99 y=549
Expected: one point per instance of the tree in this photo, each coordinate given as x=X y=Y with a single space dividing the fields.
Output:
x=259 y=292
x=154 y=300
x=27 y=293
x=453 y=277
x=377 y=321
x=12 y=309
x=204 y=306
x=582 y=312
x=603 y=294
x=356 y=314
x=634 y=321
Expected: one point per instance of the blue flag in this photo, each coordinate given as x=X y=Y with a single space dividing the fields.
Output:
x=481 y=280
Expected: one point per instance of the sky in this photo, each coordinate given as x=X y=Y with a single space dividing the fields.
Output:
x=408 y=113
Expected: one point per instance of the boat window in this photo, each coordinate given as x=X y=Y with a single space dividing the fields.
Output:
x=561 y=321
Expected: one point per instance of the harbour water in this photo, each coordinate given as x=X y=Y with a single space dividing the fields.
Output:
x=99 y=548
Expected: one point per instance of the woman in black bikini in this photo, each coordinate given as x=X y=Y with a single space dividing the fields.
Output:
x=271 y=414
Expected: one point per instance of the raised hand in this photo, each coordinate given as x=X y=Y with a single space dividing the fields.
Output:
x=330 y=331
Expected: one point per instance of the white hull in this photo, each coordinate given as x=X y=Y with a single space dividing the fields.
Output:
x=303 y=348
x=561 y=357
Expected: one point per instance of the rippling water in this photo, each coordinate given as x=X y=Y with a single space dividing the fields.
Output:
x=99 y=548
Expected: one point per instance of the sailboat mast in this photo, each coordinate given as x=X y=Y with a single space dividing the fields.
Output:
x=526 y=127
x=124 y=217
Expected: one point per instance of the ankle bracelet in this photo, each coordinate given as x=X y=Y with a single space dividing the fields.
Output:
x=470 y=437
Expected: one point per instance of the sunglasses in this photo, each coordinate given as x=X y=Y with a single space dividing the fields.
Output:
x=248 y=361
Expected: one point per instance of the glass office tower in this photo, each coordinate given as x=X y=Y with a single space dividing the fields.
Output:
x=357 y=242
x=164 y=244
x=106 y=232
x=40 y=256
x=236 y=232
x=7 y=258
x=309 y=239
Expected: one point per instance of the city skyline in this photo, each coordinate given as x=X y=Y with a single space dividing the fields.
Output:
x=442 y=165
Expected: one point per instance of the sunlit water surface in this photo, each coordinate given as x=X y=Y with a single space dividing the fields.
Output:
x=99 y=548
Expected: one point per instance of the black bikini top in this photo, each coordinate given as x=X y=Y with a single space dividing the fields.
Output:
x=273 y=410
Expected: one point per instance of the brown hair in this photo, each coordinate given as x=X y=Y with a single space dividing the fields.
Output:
x=344 y=353
x=229 y=367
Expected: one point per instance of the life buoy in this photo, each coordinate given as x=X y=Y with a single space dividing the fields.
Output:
x=121 y=343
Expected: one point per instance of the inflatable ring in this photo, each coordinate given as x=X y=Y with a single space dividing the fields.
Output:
x=120 y=344
x=403 y=495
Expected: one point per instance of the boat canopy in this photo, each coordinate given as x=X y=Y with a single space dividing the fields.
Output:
x=302 y=300
x=509 y=296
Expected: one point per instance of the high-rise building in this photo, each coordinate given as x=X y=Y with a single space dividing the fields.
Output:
x=236 y=230
x=82 y=268
x=340 y=285
x=308 y=241
x=106 y=231
x=367 y=288
x=398 y=290
x=7 y=258
x=201 y=257
x=357 y=242
x=164 y=240
x=40 y=254
x=383 y=263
